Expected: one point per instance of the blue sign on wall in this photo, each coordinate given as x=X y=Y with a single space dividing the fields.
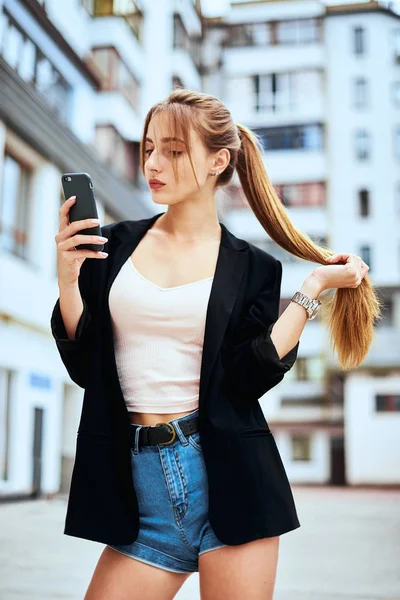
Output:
x=39 y=381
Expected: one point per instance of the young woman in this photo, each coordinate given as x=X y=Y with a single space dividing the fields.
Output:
x=174 y=335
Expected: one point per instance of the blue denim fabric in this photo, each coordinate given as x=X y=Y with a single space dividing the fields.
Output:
x=171 y=485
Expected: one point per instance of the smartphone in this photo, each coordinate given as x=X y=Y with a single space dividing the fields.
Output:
x=84 y=207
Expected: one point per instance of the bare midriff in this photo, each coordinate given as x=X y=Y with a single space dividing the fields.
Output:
x=152 y=418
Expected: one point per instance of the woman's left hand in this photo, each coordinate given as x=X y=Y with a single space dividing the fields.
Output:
x=348 y=275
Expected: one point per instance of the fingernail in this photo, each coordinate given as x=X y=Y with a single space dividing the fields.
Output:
x=72 y=197
x=95 y=220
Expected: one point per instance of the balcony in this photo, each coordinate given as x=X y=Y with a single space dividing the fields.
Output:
x=128 y=9
x=116 y=75
x=186 y=43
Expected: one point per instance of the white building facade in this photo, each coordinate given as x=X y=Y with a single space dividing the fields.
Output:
x=75 y=85
x=320 y=85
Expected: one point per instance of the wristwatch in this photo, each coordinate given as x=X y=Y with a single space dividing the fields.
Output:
x=312 y=305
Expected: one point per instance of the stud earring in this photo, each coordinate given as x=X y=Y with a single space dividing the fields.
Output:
x=214 y=173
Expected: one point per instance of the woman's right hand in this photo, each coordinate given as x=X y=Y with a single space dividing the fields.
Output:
x=69 y=260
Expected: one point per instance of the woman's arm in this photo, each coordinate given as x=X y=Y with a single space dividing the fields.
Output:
x=288 y=328
x=71 y=307
x=254 y=366
x=265 y=346
x=74 y=336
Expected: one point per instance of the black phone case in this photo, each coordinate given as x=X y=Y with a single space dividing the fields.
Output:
x=84 y=207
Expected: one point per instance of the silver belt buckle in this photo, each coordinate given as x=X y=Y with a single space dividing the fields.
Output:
x=173 y=433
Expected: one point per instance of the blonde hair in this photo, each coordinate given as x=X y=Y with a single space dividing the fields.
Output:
x=349 y=313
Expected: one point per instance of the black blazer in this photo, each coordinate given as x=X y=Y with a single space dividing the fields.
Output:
x=249 y=493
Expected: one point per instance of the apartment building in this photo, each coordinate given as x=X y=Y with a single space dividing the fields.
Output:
x=76 y=80
x=320 y=85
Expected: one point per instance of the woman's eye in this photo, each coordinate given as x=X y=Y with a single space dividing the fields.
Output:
x=174 y=152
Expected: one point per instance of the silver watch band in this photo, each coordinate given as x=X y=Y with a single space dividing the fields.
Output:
x=312 y=305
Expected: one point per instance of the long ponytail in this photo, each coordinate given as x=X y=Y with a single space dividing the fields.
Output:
x=349 y=313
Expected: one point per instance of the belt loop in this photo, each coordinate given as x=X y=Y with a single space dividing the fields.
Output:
x=136 y=443
x=181 y=435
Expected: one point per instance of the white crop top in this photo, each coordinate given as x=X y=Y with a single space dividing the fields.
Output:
x=158 y=340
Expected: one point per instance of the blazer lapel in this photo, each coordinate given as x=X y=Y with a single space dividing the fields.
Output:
x=229 y=272
x=230 y=268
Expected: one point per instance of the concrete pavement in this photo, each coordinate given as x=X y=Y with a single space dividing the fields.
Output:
x=347 y=548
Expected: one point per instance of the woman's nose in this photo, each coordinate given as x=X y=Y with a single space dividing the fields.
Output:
x=153 y=161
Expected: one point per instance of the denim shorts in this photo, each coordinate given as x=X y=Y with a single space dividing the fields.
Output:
x=172 y=490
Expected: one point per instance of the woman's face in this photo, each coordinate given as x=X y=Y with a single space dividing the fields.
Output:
x=158 y=164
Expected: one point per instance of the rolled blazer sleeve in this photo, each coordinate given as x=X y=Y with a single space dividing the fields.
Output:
x=256 y=366
x=75 y=352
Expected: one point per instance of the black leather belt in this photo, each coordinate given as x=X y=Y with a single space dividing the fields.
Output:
x=162 y=433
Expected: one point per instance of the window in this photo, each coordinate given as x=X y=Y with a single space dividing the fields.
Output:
x=5 y=421
x=302 y=194
x=309 y=368
x=301 y=447
x=120 y=154
x=388 y=311
x=397 y=142
x=362 y=142
x=248 y=34
x=396 y=45
x=300 y=31
x=360 y=93
x=396 y=93
x=365 y=253
x=397 y=198
x=29 y=62
x=301 y=368
x=13 y=40
x=359 y=40
x=116 y=75
x=14 y=202
x=183 y=40
x=128 y=9
x=387 y=403
x=261 y=34
x=363 y=196
x=274 y=92
x=300 y=402
x=291 y=137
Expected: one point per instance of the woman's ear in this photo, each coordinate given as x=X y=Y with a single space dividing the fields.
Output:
x=221 y=160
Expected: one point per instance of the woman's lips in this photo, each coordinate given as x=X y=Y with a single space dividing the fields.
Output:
x=156 y=186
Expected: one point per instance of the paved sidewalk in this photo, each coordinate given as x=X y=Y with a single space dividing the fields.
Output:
x=348 y=548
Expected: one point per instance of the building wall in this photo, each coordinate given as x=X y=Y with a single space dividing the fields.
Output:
x=329 y=101
x=380 y=173
x=372 y=438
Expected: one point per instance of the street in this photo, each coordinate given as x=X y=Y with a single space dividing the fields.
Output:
x=347 y=548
